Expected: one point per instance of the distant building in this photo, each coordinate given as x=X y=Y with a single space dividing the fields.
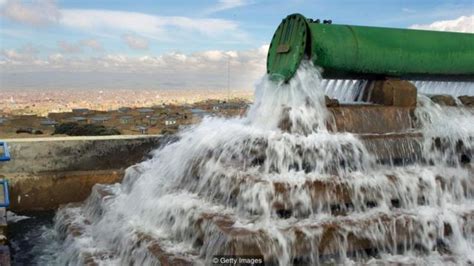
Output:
x=145 y=111
x=227 y=106
x=154 y=120
x=82 y=111
x=124 y=109
x=170 y=121
x=143 y=129
x=48 y=123
x=78 y=119
x=2 y=121
x=199 y=113
x=158 y=106
x=99 y=119
x=126 y=119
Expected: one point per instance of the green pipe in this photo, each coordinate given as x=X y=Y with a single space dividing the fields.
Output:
x=345 y=51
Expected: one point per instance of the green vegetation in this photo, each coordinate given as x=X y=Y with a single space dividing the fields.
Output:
x=74 y=129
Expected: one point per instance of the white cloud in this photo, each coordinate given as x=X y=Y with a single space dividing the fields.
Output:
x=55 y=58
x=206 y=69
x=13 y=56
x=95 y=20
x=29 y=49
x=92 y=44
x=157 y=27
x=115 y=23
x=34 y=12
x=201 y=69
x=461 y=24
x=227 y=4
x=24 y=55
x=77 y=47
x=135 y=42
x=67 y=47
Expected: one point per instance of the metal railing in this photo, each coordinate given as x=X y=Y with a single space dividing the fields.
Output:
x=6 y=193
x=4 y=156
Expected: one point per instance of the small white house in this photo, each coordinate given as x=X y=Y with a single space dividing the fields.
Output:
x=170 y=121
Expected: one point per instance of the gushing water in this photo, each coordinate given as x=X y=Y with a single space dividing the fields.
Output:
x=352 y=91
x=278 y=183
x=344 y=90
x=454 y=88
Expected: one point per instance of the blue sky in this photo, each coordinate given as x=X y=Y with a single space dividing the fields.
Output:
x=117 y=35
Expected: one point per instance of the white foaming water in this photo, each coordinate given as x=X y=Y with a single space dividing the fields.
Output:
x=352 y=91
x=344 y=90
x=454 y=88
x=279 y=184
x=448 y=131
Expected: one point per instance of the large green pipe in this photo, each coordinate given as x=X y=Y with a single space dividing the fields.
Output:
x=345 y=51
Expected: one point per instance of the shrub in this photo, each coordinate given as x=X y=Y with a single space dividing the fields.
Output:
x=74 y=129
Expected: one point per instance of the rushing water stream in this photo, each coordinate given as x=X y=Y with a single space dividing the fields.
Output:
x=279 y=183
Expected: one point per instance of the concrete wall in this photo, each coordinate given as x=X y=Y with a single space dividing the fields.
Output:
x=47 y=172
x=36 y=155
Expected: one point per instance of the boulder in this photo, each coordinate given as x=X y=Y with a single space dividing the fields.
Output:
x=285 y=122
x=444 y=100
x=467 y=100
x=331 y=102
x=394 y=92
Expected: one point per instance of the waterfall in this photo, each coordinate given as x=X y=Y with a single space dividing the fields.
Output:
x=279 y=184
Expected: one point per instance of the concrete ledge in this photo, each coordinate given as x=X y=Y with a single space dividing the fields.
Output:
x=371 y=119
x=47 y=172
x=47 y=191
x=395 y=148
x=38 y=155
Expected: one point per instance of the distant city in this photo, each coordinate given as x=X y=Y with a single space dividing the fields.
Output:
x=29 y=113
x=42 y=101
